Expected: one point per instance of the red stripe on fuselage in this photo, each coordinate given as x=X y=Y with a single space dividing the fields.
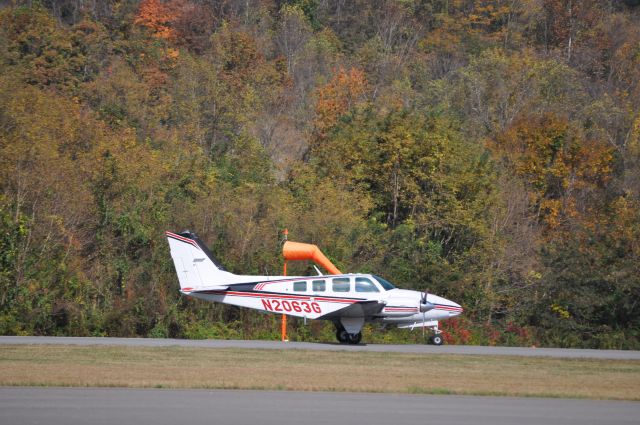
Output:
x=401 y=308
x=283 y=296
x=448 y=307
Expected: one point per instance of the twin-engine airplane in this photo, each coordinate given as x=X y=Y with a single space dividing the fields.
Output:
x=348 y=300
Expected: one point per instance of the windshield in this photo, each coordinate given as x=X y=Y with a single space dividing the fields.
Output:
x=385 y=283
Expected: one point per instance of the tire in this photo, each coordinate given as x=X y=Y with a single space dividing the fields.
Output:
x=436 y=340
x=355 y=338
x=343 y=336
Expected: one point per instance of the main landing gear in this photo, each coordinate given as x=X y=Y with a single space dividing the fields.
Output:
x=345 y=337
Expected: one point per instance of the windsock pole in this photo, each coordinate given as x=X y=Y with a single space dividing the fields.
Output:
x=284 y=316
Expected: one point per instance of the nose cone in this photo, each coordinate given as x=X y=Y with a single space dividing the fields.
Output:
x=444 y=307
x=450 y=307
x=454 y=309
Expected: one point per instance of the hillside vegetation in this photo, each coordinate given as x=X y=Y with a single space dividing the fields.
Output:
x=484 y=150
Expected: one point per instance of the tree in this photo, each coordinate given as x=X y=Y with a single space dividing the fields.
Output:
x=561 y=168
x=431 y=192
x=497 y=87
x=40 y=52
x=159 y=17
x=341 y=94
x=293 y=33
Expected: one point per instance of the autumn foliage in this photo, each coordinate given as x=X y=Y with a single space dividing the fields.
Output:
x=159 y=17
x=338 y=96
x=559 y=166
x=487 y=151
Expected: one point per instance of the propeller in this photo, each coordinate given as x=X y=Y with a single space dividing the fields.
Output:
x=424 y=304
x=424 y=307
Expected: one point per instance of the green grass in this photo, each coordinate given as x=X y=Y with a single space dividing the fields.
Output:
x=300 y=370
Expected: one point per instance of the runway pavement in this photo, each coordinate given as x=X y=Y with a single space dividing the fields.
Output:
x=277 y=345
x=71 y=406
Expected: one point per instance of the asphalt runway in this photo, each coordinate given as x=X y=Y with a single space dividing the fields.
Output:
x=70 y=406
x=277 y=345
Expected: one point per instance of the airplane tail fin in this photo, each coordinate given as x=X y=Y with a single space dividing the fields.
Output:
x=195 y=265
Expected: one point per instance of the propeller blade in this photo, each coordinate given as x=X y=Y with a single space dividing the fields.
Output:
x=424 y=304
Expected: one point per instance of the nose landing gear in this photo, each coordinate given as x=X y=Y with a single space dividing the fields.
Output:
x=436 y=339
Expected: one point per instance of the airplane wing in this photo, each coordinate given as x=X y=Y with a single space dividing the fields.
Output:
x=359 y=309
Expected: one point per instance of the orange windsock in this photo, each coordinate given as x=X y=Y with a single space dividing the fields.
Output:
x=305 y=251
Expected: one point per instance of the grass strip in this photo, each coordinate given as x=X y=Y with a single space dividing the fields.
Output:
x=301 y=370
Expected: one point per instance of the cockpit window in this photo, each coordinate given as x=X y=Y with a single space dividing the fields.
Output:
x=365 y=285
x=385 y=283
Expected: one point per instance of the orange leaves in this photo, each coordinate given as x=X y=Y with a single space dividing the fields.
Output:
x=179 y=22
x=345 y=89
x=558 y=164
x=159 y=17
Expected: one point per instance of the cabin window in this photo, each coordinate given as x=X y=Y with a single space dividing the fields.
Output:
x=300 y=286
x=365 y=285
x=319 y=286
x=341 y=284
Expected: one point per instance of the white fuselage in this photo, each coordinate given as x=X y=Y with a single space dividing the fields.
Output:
x=315 y=297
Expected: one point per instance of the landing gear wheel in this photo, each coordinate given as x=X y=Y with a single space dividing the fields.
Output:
x=343 y=336
x=436 y=340
x=355 y=338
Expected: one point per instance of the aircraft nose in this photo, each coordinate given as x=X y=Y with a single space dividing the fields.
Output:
x=458 y=310
x=454 y=309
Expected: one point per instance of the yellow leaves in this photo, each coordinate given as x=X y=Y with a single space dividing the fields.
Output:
x=43 y=53
x=624 y=217
x=557 y=163
x=562 y=312
x=236 y=53
x=633 y=146
x=128 y=162
x=56 y=151
x=488 y=20
x=534 y=275
x=173 y=54
x=550 y=209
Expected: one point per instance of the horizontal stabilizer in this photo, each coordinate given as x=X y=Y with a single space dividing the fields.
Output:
x=208 y=288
